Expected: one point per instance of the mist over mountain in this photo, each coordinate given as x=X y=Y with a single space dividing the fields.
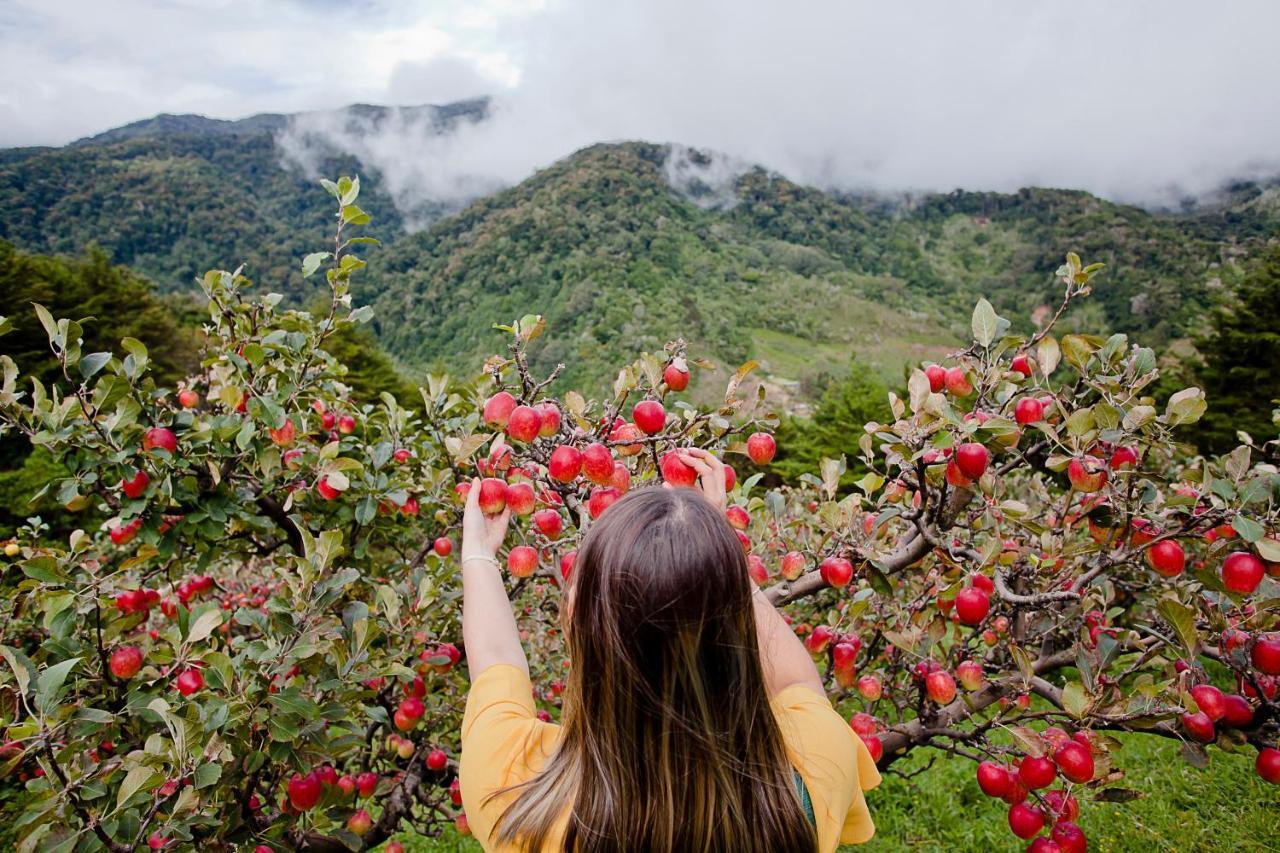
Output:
x=621 y=244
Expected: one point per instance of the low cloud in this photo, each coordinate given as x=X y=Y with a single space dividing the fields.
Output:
x=1149 y=101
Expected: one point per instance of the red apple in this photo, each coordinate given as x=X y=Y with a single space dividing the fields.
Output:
x=1210 y=700
x=1025 y=821
x=819 y=639
x=1242 y=572
x=493 y=496
x=1037 y=772
x=1237 y=713
x=1070 y=838
x=1087 y=474
x=325 y=490
x=937 y=375
x=1123 y=457
x=836 y=571
x=565 y=463
x=189 y=681
x=870 y=688
x=520 y=498
x=566 y=564
x=360 y=822
x=756 y=570
x=628 y=433
x=761 y=447
x=738 y=517
x=675 y=472
x=972 y=458
x=443 y=546
x=367 y=783
x=972 y=605
x=346 y=424
x=958 y=382
x=793 y=565
x=1167 y=558
x=1021 y=364
x=293 y=459
x=1199 y=726
x=304 y=791
x=437 y=760
x=676 y=375
x=597 y=463
x=601 y=498
x=940 y=686
x=1268 y=764
x=549 y=523
x=159 y=438
x=649 y=416
x=875 y=748
x=1265 y=654
x=1075 y=761
x=548 y=418
x=188 y=399
x=135 y=486
x=524 y=424
x=522 y=561
x=1029 y=410
x=498 y=408
x=993 y=779
x=969 y=674
x=621 y=479
x=125 y=662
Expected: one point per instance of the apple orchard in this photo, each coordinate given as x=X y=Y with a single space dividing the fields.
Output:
x=254 y=643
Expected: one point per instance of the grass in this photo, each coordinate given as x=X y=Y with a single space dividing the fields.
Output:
x=1224 y=807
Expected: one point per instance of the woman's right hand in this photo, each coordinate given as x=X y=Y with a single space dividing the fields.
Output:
x=482 y=534
x=710 y=474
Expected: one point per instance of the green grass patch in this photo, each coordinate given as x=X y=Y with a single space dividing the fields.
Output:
x=1224 y=808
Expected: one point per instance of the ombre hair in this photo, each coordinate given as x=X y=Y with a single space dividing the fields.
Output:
x=668 y=740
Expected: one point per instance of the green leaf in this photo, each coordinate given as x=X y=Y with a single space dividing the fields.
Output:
x=23 y=669
x=1183 y=621
x=312 y=262
x=134 y=781
x=1185 y=407
x=1249 y=530
x=985 y=323
x=1075 y=701
x=93 y=362
x=205 y=624
x=879 y=582
x=50 y=682
x=207 y=774
x=1268 y=549
x=291 y=701
x=353 y=215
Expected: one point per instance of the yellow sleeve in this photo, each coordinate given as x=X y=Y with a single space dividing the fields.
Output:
x=832 y=760
x=503 y=743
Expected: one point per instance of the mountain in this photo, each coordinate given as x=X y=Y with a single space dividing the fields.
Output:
x=172 y=196
x=625 y=246
x=620 y=257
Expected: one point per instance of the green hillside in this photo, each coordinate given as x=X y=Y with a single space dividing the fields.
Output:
x=792 y=276
x=619 y=260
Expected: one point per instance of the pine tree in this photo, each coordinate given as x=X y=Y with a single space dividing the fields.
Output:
x=1240 y=359
x=833 y=430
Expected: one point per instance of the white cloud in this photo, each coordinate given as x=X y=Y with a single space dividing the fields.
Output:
x=1136 y=100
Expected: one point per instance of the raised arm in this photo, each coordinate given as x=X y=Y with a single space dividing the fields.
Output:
x=785 y=661
x=489 y=629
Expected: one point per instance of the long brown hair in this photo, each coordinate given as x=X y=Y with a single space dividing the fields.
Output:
x=668 y=741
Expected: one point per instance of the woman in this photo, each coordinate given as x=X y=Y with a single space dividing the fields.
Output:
x=694 y=719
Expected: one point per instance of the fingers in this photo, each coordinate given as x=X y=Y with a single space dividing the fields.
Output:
x=473 y=495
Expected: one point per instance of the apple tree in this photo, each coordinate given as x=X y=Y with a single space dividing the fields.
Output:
x=257 y=649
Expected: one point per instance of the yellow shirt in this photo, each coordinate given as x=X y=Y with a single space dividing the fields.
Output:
x=503 y=743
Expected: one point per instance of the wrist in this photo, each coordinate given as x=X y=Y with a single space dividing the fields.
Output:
x=482 y=557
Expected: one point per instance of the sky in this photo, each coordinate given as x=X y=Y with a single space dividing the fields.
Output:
x=1144 y=100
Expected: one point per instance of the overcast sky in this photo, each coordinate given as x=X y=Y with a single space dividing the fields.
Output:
x=1135 y=100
